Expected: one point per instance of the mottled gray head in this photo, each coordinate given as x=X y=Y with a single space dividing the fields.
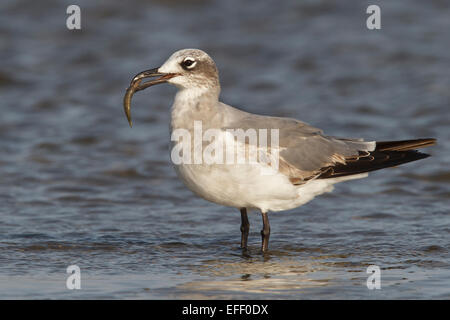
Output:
x=194 y=68
x=189 y=69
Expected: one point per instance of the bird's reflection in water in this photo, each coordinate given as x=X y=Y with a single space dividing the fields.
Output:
x=255 y=273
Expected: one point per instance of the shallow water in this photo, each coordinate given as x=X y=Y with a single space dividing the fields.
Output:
x=78 y=186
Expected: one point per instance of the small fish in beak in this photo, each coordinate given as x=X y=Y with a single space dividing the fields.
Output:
x=137 y=85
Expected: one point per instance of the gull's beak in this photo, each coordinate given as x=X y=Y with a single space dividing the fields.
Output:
x=136 y=85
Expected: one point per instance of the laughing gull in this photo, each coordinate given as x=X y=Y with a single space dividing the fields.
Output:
x=309 y=162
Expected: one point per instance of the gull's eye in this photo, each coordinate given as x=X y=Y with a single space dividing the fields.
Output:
x=188 y=63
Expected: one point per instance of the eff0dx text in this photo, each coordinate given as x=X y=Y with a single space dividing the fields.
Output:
x=247 y=309
x=231 y=309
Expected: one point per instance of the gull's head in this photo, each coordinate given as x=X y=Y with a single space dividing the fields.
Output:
x=193 y=68
x=190 y=69
x=186 y=69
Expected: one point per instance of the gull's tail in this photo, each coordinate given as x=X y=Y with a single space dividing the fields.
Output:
x=386 y=154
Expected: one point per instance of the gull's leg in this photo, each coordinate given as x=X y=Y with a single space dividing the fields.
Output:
x=245 y=227
x=265 y=232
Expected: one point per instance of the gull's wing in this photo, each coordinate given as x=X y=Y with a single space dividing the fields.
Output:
x=304 y=151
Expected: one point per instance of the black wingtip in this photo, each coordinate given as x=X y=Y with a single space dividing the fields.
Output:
x=376 y=160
